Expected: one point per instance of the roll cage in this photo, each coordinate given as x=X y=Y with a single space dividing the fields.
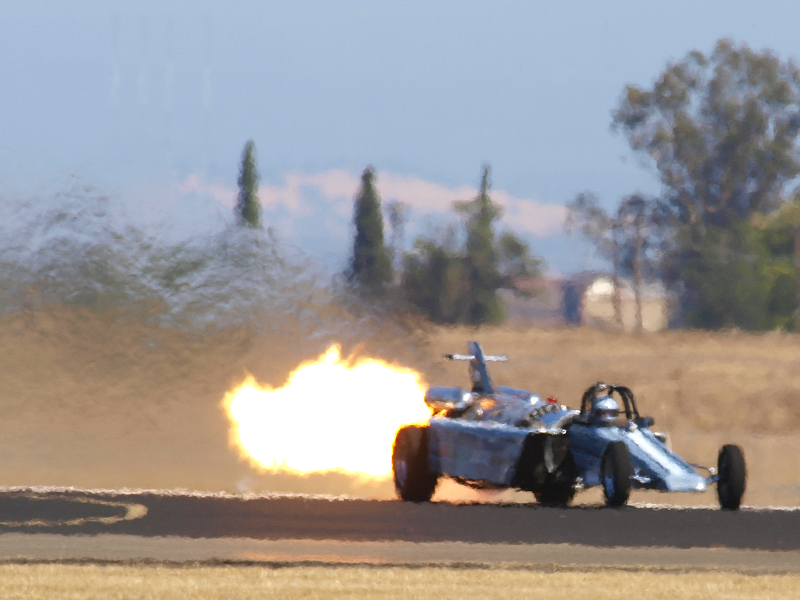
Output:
x=625 y=394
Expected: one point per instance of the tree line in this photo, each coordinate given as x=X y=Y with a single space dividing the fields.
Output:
x=452 y=276
x=723 y=235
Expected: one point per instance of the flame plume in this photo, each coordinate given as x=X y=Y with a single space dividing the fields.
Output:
x=332 y=415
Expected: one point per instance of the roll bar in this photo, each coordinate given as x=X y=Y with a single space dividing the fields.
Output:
x=631 y=412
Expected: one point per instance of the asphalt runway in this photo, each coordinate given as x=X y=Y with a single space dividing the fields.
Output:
x=275 y=518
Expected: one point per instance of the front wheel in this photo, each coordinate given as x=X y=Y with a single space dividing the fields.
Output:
x=732 y=477
x=413 y=479
x=616 y=472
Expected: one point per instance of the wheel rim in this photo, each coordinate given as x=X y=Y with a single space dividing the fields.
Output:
x=608 y=480
x=401 y=472
x=608 y=486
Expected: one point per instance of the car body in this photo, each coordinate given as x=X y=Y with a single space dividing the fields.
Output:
x=502 y=437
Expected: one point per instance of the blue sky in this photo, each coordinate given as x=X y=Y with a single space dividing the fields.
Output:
x=151 y=103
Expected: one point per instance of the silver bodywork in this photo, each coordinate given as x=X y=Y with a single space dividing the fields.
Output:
x=504 y=437
x=654 y=465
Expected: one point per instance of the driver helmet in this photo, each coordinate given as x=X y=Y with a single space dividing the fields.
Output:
x=605 y=410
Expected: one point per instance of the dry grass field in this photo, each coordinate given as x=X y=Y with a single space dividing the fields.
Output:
x=79 y=582
x=742 y=382
x=99 y=400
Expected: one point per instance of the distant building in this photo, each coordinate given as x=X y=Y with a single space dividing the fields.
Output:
x=587 y=299
x=597 y=307
x=541 y=308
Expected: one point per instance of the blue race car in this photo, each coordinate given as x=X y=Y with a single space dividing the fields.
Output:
x=500 y=437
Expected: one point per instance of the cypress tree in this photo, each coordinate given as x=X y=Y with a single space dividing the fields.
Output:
x=481 y=259
x=453 y=282
x=248 y=209
x=370 y=266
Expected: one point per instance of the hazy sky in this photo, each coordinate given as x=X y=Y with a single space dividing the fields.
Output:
x=151 y=102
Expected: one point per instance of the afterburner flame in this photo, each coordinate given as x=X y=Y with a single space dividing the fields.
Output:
x=331 y=415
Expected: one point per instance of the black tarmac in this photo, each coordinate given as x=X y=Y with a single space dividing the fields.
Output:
x=314 y=518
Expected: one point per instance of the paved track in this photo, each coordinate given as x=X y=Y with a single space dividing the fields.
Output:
x=308 y=518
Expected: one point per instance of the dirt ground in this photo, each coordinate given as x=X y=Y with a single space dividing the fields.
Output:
x=116 y=548
x=33 y=581
x=98 y=400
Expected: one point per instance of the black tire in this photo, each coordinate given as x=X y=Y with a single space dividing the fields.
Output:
x=615 y=474
x=559 y=486
x=413 y=479
x=732 y=477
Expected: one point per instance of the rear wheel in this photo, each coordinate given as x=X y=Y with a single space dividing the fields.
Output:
x=559 y=486
x=616 y=471
x=412 y=477
x=732 y=477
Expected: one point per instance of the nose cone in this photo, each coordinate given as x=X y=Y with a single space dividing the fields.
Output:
x=668 y=471
x=685 y=482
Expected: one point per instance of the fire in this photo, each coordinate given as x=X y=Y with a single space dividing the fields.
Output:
x=332 y=415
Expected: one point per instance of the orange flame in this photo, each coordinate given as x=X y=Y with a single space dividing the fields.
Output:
x=332 y=415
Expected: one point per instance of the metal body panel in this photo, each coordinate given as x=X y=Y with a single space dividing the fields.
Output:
x=475 y=450
x=447 y=399
x=517 y=393
x=654 y=465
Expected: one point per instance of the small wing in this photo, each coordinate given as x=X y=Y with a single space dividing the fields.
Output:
x=478 y=374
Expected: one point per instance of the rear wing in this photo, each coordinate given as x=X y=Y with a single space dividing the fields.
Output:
x=478 y=375
x=471 y=356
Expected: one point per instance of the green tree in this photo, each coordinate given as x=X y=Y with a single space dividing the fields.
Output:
x=781 y=237
x=397 y=212
x=481 y=257
x=370 y=266
x=458 y=283
x=722 y=131
x=637 y=227
x=248 y=208
x=516 y=263
x=626 y=236
x=724 y=281
x=433 y=278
